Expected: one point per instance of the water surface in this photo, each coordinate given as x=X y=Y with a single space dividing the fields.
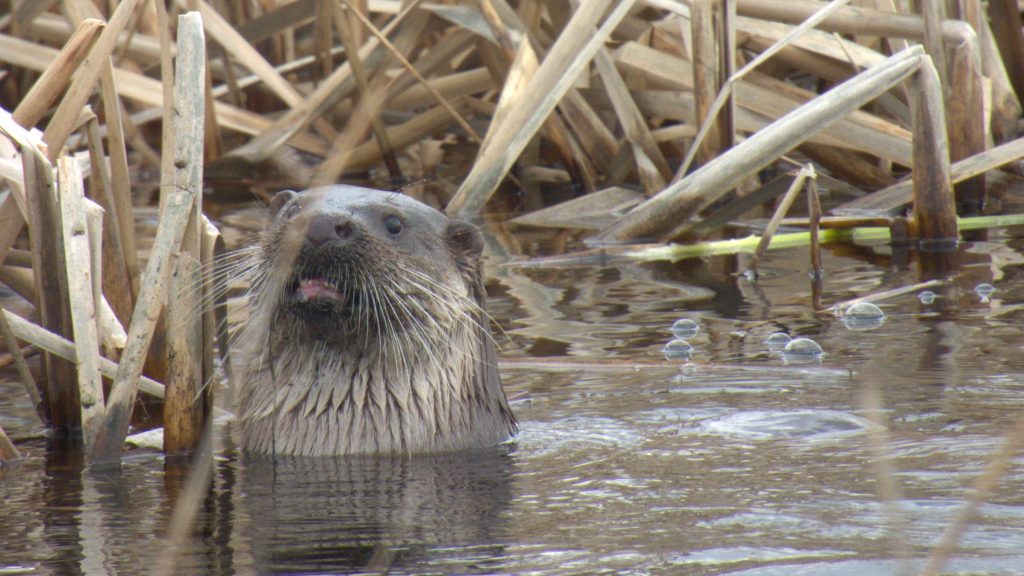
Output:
x=737 y=461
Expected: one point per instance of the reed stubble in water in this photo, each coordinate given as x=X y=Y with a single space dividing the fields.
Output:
x=366 y=331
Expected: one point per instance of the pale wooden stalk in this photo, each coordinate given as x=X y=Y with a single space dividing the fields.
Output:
x=656 y=173
x=413 y=130
x=183 y=406
x=323 y=37
x=399 y=54
x=335 y=87
x=706 y=76
x=148 y=91
x=358 y=127
x=725 y=94
x=1006 y=107
x=1004 y=16
x=115 y=278
x=24 y=373
x=225 y=34
x=178 y=210
x=661 y=216
x=780 y=212
x=901 y=193
x=94 y=225
x=80 y=292
x=814 y=215
x=215 y=325
x=931 y=12
x=966 y=121
x=934 y=208
x=347 y=36
x=465 y=83
x=48 y=266
x=48 y=88
x=60 y=346
x=355 y=131
x=120 y=199
x=64 y=119
x=572 y=51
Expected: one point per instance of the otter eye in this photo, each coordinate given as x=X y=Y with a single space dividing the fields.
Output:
x=393 y=224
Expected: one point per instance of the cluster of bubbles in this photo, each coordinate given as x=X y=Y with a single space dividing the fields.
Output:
x=678 y=348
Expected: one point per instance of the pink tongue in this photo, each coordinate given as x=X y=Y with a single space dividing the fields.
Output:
x=317 y=289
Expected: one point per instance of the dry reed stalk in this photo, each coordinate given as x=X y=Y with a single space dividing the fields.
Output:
x=50 y=85
x=334 y=88
x=934 y=209
x=766 y=98
x=780 y=212
x=965 y=120
x=48 y=265
x=171 y=230
x=660 y=216
x=215 y=325
x=725 y=94
x=901 y=193
x=221 y=31
x=880 y=445
x=183 y=406
x=64 y=119
x=147 y=91
x=706 y=22
x=1004 y=16
x=980 y=491
x=116 y=280
x=932 y=14
x=573 y=50
x=60 y=346
x=75 y=232
x=651 y=165
x=347 y=37
x=399 y=54
x=24 y=374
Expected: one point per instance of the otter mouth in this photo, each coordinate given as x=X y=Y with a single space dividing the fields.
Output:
x=317 y=298
x=318 y=289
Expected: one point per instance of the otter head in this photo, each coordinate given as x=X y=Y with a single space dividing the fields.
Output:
x=367 y=332
x=356 y=264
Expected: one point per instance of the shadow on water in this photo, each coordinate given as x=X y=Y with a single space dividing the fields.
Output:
x=375 y=514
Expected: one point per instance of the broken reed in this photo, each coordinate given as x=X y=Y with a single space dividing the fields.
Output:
x=71 y=240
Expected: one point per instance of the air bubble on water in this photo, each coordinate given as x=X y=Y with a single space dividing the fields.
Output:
x=803 y=347
x=863 y=316
x=677 y=349
x=685 y=328
x=926 y=297
x=777 y=340
x=984 y=291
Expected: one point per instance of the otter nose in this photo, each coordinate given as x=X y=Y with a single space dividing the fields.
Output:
x=329 y=227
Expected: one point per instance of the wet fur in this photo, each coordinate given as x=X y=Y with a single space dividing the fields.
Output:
x=411 y=370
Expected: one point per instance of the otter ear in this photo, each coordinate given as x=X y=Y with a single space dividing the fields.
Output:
x=464 y=240
x=279 y=200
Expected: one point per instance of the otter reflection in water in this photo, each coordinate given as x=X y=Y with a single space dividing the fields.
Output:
x=367 y=332
x=442 y=513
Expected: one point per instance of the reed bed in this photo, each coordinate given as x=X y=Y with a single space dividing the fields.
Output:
x=662 y=114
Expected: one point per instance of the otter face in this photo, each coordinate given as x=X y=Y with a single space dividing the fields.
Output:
x=358 y=261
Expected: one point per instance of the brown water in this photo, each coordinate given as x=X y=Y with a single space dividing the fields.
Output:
x=739 y=461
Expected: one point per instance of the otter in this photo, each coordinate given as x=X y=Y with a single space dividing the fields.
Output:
x=367 y=332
